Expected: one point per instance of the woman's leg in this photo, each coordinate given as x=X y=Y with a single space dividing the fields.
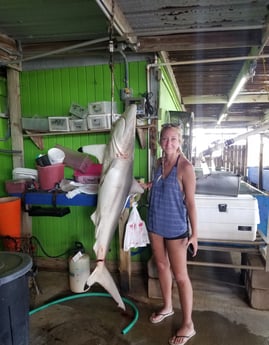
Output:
x=177 y=252
x=164 y=272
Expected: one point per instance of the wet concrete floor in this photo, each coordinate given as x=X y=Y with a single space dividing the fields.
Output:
x=221 y=314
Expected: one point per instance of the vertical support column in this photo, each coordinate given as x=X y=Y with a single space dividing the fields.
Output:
x=14 y=104
x=125 y=257
x=261 y=164
x=14 y=107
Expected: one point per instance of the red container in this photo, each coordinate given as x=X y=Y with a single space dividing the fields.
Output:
x=92 y=175
x=15 y=186
x=50 y=175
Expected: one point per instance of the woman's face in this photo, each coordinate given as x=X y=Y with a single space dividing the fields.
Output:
x=169 y=140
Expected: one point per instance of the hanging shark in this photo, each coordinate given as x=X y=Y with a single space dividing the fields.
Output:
x=116 y=184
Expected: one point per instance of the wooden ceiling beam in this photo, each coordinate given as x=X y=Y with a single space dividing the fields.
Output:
x=222 y=99
x=114 y=14
x=200 y=41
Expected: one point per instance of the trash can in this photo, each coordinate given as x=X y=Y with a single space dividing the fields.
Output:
x=14 y=298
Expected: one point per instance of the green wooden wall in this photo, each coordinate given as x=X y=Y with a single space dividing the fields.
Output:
x=50 y=93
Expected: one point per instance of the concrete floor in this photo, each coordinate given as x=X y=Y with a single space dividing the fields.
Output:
x=221 y=314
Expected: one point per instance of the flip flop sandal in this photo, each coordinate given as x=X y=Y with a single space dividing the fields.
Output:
x=159 y=317
x=185 y=338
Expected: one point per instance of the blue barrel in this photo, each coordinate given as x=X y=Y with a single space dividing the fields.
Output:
x=14 y=298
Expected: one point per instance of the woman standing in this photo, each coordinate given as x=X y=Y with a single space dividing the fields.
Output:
x=171 y=213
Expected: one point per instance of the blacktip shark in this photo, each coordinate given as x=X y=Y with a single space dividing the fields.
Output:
x=116 y=185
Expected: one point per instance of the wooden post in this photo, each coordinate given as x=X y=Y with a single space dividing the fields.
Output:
x=14 y=101
x=260 y=185
x=125 y=257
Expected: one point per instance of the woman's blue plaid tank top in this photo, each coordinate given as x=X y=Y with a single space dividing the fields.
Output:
x=167 y=213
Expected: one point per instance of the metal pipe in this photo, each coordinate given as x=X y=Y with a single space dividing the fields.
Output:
x=192 y=62
x=62 y=50
x=257 y=130
x=126 y=79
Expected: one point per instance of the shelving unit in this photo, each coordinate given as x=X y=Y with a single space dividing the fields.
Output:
x=257 y=247
x=47 y=198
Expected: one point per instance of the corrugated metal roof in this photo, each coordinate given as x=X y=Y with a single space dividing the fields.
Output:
x=213 y=43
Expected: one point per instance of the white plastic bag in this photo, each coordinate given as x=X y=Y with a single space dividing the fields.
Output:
x=136 y=234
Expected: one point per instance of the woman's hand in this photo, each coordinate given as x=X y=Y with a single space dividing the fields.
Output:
x=193 y=246
x=145 y=185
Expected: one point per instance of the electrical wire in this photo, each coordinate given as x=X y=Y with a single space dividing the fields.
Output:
x=149 y=110
x=48 y=255
x=92 y=294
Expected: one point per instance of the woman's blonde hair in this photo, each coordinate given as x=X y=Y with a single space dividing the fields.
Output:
x=172 y=125
x=180 y=139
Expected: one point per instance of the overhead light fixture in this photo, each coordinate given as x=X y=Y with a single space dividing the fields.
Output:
x=237 y=90
x=222 y=117
x=233 y=96
x=248 y=71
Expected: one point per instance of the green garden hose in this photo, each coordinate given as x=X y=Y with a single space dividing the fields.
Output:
x=91 y=294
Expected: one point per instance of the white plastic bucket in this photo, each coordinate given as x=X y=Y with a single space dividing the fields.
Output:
x=56 y=155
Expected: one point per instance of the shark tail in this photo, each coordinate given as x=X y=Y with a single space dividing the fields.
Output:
x=102 y=276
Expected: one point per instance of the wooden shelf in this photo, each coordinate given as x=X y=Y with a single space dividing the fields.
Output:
x=145 y=126
x=37 y=137
x=43 y=134
x=47 y=198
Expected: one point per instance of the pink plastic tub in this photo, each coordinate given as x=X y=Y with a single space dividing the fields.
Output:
x=50 y=175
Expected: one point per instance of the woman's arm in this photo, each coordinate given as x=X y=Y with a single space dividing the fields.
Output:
x=148 y=185
x=189 y=186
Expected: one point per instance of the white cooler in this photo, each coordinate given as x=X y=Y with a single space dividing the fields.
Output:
x=227 y=218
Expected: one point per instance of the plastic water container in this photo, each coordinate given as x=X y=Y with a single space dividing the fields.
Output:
x=50 y=175
x=79 y=269
x=14 y=298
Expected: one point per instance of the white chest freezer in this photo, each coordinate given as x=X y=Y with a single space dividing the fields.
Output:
x=227 y=218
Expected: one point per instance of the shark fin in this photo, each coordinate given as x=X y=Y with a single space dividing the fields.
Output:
x=102 y=276
x=136 y=188
x=97 y=151
x=93 y=217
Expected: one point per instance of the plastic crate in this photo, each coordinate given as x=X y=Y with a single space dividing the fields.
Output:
x=59 y=124
x=78 y=110
x=78 y=125
x=35 y=124
x=99 y=108
x=99 y=122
